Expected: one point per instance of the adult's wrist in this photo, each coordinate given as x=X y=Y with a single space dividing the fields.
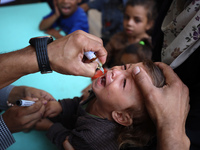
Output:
x=172 y=139
x=30 y=60
x=54 y=54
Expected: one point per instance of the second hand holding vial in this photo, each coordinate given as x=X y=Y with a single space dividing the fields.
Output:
x=92 y=57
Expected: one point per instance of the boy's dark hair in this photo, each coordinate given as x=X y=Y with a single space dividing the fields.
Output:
x=143 y=130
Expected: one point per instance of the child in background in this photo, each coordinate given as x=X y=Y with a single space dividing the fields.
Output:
x=113 y=116
x=135 y=53
x=68 y=16
x=111 y=16
x=139 y=16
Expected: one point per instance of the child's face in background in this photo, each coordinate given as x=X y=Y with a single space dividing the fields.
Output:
x=135 y=21
x=116 y=90
x=67 y=7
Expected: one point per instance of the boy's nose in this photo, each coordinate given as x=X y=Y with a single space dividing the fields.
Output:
x=116 y=73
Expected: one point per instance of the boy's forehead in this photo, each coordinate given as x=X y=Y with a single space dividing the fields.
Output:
x=140 y=64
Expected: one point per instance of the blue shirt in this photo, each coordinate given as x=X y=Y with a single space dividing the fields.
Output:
x=4 y=93
x=112 y=15
x=77 y=21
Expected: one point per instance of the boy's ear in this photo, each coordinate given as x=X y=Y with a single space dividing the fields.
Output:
x=122 y=118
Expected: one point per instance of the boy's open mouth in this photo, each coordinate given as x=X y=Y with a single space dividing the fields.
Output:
x=66 y=9
x=103 y=80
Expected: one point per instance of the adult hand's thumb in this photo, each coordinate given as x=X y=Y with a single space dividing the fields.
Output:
x=90 y=69
x=143 y=80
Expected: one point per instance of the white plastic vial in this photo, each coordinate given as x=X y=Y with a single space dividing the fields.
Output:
x=92 y=57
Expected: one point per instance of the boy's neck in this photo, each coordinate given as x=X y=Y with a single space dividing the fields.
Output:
x=94 y=109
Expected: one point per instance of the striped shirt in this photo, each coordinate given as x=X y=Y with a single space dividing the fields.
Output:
x=6 y=138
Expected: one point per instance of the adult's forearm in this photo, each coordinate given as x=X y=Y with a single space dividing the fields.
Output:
x=172 y=140
x=16 y=64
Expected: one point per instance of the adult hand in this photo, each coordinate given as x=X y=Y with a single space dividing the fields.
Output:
x=30 y=93
x=43 y=124
x=19 y=118
x=168 y=107
x=66 y=54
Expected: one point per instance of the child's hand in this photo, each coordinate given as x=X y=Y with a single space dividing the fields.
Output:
x=55 y=33
x=57 y=12
x=43 y=124
x=53 y=108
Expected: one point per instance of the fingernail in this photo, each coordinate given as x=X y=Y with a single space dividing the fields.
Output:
x=35 y=99
x=136 y=70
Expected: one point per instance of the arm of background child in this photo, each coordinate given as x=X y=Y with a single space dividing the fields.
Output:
x=48 y=21
x=55 y=33
x=85 y=7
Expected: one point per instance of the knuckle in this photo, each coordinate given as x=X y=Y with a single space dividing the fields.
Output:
x=186 y=89
x=168 y=67
x=101 y=41
x=150 y=95
x=178 y=84
x=79 y=36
